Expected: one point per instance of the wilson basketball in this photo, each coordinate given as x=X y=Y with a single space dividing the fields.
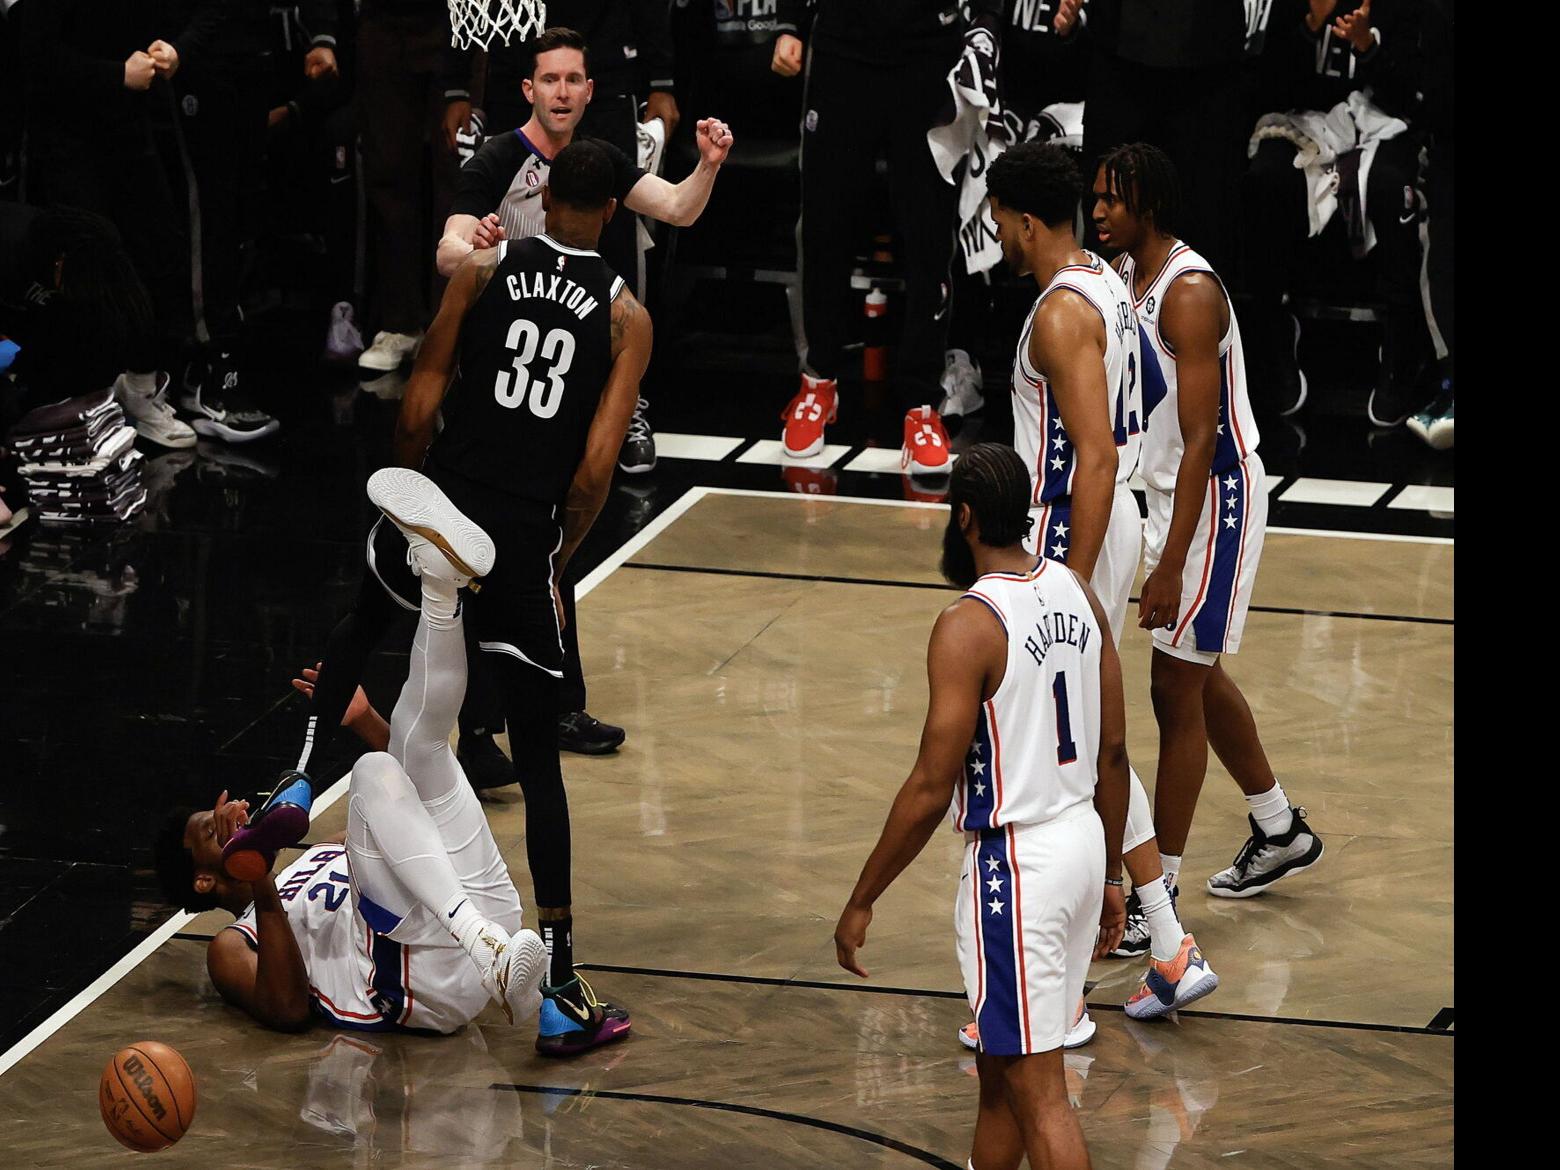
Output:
x=147 y=1096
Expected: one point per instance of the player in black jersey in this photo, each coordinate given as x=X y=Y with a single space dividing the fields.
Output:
x=545 y=346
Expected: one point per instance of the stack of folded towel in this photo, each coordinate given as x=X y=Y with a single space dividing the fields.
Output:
x=79 y=460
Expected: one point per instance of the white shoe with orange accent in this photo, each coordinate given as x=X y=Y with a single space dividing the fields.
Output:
x=816 y=405
x=925 y=451
x=1078 y=1035
x=1167 y=987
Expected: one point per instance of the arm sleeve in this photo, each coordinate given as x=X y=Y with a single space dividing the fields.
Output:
x=319 y=20
x=455 y=74
x=652 y=33
x=789 y=17
x=484 y=179
x=59 y=67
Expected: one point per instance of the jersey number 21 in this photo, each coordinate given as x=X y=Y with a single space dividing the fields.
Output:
x=515 y=385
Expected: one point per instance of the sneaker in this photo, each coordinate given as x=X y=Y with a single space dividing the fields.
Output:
x=1081 y=1032
x=512 y=968
x=1289 y=378
x=1169 y=986
x=961 y=385
x=1262 y=860
x=638 y=453
x=150 y=413
x=220 y=408
x=573 y=1020
x=925 y=451
x=1137 y=939
x=1436 y=423
x=442 y=542
x=815 y=406
x=484 y=762
x=389 y=351
x=579 y=731
x=1397 y=393
x=343 y=342
x=283 y=820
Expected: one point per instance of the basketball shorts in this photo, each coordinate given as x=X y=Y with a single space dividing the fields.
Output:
x=1116 y=567
x=1221 y=564
x=513 y=612
x=1025 y=924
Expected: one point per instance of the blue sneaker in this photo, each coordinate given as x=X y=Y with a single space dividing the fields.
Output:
x=573 y=1020
x=283 y=820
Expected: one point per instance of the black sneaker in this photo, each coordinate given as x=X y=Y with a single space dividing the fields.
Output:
x=579 y=731
x=484 y=762
x=638 y=453
x=1289 y=384
x=1262 y=860
x=220 y=408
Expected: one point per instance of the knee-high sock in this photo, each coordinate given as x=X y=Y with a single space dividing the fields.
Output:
x=430 y=699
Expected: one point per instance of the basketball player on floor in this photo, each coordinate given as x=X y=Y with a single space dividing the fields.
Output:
x=498 y=198
x=411 y=921
x=1024 y=750
x=1207 y=515
x=1076 y=406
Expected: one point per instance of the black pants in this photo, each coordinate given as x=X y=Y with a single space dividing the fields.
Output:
x=855 y=112
x=1440 y=190
x=1193 y=115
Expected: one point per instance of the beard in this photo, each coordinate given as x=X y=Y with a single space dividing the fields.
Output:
x=958 y=562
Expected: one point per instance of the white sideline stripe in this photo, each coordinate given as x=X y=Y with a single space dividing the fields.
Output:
x=710 y=448
x=1350 y=493
x=1423 y=497
x=772 y=451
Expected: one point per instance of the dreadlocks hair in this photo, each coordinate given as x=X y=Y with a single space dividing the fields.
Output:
x=993 y=481
x=1144 y=178
x=1039 y=179
x=175 y=864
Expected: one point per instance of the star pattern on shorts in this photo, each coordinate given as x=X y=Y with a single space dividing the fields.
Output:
x=1058 y=463
x=1231 y=482
x=1059 y=529
x=1059 y=551
x=1229 y=522
x=1059 y=442
x=994 y=884
x=980 y=789
x=993 y=863
x=994 y=906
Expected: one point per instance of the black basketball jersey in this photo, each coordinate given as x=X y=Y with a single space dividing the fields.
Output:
x=535 y=353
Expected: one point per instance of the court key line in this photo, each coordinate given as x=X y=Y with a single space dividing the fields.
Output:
x=866 y=1135
x=895 y=584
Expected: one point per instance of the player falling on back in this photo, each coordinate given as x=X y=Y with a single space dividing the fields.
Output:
x=1024 y=750
x=411 y=921
x=1207 y=515
x=1076 y=411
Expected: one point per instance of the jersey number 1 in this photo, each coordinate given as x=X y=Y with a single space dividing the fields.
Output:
x=1066 y=749
x=514 y=386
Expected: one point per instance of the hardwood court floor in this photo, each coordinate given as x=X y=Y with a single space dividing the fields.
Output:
x=767 y=654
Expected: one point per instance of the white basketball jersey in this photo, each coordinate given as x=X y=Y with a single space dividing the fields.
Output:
x=1036 y=748
x=1038 y=434
x=359 y=978
x=1163 y=443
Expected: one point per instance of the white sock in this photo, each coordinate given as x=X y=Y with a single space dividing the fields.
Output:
x=1164 y=928
x=1171 y=865
x=1271 y=811
x=463 y=921
x=141 y=383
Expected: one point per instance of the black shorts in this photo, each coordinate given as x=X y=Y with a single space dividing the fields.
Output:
x=512 y=613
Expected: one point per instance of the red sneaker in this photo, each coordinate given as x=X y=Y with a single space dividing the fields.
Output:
x=815 y=406
x=926 y=443
x=811 y=481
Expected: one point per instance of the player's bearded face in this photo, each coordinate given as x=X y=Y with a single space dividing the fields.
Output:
x=958 y=562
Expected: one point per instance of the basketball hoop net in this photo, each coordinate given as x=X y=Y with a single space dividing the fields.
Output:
x=478 y=22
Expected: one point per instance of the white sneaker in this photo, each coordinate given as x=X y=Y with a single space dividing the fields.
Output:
x=511 y=968
x=343 y=342
x=961 y=384
x=1081 y=1032
x=150 y=413
x=444 y=544
x=389 y=351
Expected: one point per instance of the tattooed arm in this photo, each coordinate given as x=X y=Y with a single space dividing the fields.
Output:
x=435 y=366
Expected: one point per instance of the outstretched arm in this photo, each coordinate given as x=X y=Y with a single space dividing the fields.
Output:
x=966 y=643
x=679 y=204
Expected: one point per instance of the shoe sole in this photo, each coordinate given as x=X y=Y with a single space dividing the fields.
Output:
x=1120 y=953
x=1155 y=1008
x=610 y=1031
x=1304 y=387
x=637 y=468
x=176 y=443
x=1434 y=437
x=964 y=1039
x=806 y=453
x=605 y=750
x=526 y=970
x=216 y=430
x=1081 y=1034
x=922 y=471
x=375 y=367
x=1300 y=866
x=414 y=504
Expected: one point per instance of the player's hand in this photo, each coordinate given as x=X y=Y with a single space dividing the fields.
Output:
x=850 y=935
x=1160 y=602
x=662 y=105
x=1320 y=11
x=715 y=140
x=1066 y=17
x=787 y=61
x=277 y=116
x=488 y=233
x=320 y=62
x=165 y=57
x=1113 y=921
x=139 y=71
x=358 y=707
x=1354 y=27
x=231 y=815
x=457 y=115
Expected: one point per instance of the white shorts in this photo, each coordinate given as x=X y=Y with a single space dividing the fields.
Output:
x=1116 y=568
x=1221 y=564
x=1025 y=924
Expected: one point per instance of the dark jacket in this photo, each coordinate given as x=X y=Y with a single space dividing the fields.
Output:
x=885 y=31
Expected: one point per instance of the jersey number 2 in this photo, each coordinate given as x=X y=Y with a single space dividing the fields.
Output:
x=1066 y=749
x=515 y=385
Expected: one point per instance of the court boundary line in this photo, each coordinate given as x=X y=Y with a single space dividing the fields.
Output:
x=175 y=924
x=866 y=1135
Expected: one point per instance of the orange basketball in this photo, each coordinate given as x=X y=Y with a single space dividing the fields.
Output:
x=147 y=1096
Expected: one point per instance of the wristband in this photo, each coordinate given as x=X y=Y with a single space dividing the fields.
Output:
x=1113 y=882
